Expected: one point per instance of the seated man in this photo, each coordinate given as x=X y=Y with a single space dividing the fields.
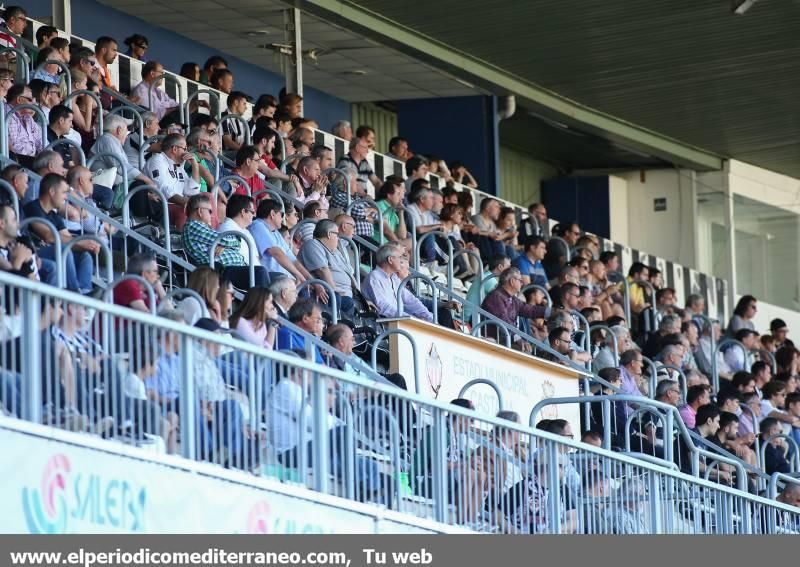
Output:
x=198 y=237
x=489 y=238
x=530 y=262
x=276 y=254
x=24 y=133
x=482 y=287
x=17 y=254
x=149 y=94
x=390 y=203
x=166 y=169
x=774 y=450
x=307 y=315
x=53 y=198
x=324 y=259
x=381 y=285
x=115 y=133
x=421 y=218
x=504 y=304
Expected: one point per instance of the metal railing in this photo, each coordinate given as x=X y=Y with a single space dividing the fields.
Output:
x=179 y=89
x=72 y=144
x=414 y=470
x=93 y=95
x=64 y=68
x=12 y=195
x=714 y=366
x=252 y=258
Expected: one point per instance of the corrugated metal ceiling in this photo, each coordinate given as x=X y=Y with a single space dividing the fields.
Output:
x=689 y=69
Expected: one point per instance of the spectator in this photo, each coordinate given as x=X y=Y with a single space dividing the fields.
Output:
x=313 y=184
x=467 y=266
x=786 y=359
x=137 y=46
x=276 y=255
x=343 y=130
x=47 y=72
x=6 y=82
x=83 y=108
x=79 y=265
x=212 y=64
x=792 y=406
x=696 y=397
x=105 y=49
x=398 y=148
x=284 y=295
x=696 y=303
x=504 y=304
x=241 y=212
x=790 y=495
x=743 y=315
x=60 y=125
x=734 y=357
x=773 y=405
x=530 y=262
x=536 y=223
x=264 y=140
x=17 y=177
x=256 y=318
x=703 y=354
x=149 y=93
x=265 y=106
x=774 y=447
x=390 y=203
x=496 y=265
x=247 y=162
x=605 y=358
x=17 y=255
x=24 y=133
x=233 y=129
x=422 y=220
x=779 y=329
x=83 y=59
x=638 y=300
x=357 y=158
x=15 y=20
x=190 y=70
x=322 y=257
x=131 y=293
x=222 y=80
x=166 y=169
x=749 y=420
x=307 y=315
x=416 y=168
x=198 y=236
x=292 y=104
x=115 y=132
x=632 y=383
x=461 y=174
x=381 y=284
x=560 y=341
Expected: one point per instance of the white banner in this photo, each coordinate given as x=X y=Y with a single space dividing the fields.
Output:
x=55 y=487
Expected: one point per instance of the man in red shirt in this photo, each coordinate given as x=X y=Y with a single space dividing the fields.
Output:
x=247 y=160
x=131 y=293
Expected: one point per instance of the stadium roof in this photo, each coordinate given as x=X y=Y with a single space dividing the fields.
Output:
x=680 y=81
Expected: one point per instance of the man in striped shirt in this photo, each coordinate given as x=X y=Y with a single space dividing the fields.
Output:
x=14 y=22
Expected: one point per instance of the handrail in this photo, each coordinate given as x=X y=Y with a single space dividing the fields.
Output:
x=103 y=246
x=475 y=381
x=68 y=142
x=123 y=167
x=793 y=451
x=653 y=383
x=610 y=334
x=427 y=280
x=340 y=173
x=372 y=205
x=777 y=477
x=703 y=443
x=24 y=66
x=63 y=66
x=541 y=288
x=137 y=117
x=565 y=246
x=282 y=143
x=667 y=418
x=720 y=345
x=291 y=157
x=108 y=294
x=187 y=292
x=626 y=304
x=682 y=383
x=40 y=118
x=418 y=249
x=295 y=228
x=91 y=94
x=126 y=220
x=232 y=177
x=331 y=295
x=242 y=122
x=351 y=246
x=119 y=97
x=709 y=323
x=13 y=193
x=394 y=442
x=483 y=282
x=414 y=350
x=754 y=420
x=587 y=346
x=486 y=322
x=57 y=247
x=187 y=105
x=652 y=308
x=281 y=197
x=180 y=92
x=772 y=362
x=251 y=249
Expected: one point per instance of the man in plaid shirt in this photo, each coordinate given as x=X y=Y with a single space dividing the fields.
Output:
x=363 y=214
x=198 y=237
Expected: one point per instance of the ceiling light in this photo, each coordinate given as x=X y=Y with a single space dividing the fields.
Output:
x=256 y=33
x=742 y=6
x=355 y=72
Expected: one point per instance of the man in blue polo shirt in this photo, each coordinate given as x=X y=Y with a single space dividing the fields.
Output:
x=276 y=254
x=307 y=315
x=530 y=262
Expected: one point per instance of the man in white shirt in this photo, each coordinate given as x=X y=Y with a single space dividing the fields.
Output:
x=111 y=142
x=149 y=94
x=241 y=212
x=168 y=175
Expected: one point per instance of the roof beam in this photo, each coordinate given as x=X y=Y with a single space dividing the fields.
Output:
x=498 y=81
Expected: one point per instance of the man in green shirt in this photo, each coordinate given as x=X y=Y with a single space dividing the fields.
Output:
x=390 y=203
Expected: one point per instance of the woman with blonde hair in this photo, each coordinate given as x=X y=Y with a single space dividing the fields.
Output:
x=205 y=281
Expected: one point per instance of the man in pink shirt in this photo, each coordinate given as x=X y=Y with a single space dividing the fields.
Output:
x=696 y=397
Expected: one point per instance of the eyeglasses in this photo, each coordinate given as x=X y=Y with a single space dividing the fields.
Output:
x=141 y=45
x=28 y=98
x=212 y=132
x=250 y=211
x=334 y=232
x=205 y=209
x=181 y=148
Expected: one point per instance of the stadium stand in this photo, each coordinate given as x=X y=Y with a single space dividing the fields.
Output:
x=203 y=285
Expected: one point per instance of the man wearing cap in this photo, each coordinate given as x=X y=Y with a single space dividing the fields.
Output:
x=779 y=330
x=149 y=94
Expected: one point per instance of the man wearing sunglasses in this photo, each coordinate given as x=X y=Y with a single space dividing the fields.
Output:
x=176 y=186
x=24 y=133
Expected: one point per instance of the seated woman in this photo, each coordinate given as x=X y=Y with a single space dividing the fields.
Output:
x=465 y=266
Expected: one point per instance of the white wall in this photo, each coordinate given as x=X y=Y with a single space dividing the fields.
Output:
x=618 y=209
x=767 y=312
x=670 y=233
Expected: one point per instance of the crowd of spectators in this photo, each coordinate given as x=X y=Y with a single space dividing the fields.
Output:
x=539 y=290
